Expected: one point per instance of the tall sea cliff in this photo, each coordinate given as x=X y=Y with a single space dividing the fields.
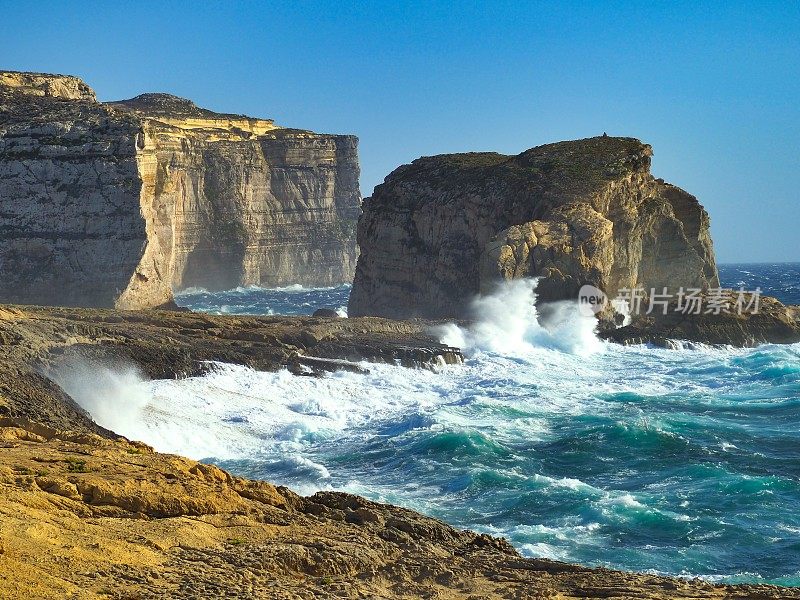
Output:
x=116 y=204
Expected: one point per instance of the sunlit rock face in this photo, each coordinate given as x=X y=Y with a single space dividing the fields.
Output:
x=445 y=228
x=120 y=203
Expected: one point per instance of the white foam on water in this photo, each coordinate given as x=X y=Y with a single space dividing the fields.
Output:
x=234 y=412
x=251 y=414
x=507 y=322
x=237 y=413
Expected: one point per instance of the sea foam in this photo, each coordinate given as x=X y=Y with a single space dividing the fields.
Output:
x=507 y=322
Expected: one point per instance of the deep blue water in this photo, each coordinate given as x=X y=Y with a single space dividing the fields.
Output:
x=781 y=280
x=684 y=462
x=291 y=300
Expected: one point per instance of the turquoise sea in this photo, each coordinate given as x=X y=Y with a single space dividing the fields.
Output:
x=682 y=462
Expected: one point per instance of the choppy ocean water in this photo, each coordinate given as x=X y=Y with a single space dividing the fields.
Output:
x=290 y=300
x=682 y=462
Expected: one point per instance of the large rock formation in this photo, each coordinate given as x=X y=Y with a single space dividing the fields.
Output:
x=117 y=204
x=444 y=228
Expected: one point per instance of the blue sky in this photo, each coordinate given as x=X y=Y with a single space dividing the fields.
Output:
x=713 y=86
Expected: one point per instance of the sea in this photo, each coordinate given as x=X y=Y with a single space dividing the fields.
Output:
x=680 y=462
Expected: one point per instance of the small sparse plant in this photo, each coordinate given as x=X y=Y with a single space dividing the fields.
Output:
x=75 y=465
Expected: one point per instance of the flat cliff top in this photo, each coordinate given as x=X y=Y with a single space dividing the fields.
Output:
x=570 y=167
x=168 y=105
x=27 y=97
x=88 y=517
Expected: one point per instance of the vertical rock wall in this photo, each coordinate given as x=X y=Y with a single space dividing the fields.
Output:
x=71 y=228
x=118 y=204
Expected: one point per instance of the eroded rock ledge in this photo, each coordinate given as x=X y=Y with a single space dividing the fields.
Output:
x=774 y=323
x=117 y=204
x=167 y=344
x=88 y=517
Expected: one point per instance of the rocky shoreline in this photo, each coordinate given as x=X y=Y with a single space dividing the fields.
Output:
x=167 y=344
x=89 y=515
x=773 y=323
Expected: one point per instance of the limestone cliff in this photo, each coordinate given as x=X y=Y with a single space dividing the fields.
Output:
x=117 y=204
x=444 y=228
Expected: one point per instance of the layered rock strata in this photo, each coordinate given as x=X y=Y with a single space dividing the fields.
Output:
x=117 y=204
x=444 y=228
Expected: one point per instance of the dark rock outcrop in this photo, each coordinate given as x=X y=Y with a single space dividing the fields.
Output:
x=444 y=228
x=117 y=204
x=325 y=312
x=772 y=322
x=38 y=341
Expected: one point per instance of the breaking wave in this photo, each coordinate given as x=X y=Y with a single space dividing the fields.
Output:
x=508 y=322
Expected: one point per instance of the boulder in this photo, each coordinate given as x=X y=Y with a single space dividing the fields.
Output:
x=325 y=312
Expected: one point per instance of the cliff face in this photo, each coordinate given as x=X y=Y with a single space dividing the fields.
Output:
x=444 y=228
x=118 y=204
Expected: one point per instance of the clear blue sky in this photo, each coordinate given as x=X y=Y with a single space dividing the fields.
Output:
x=713 y=86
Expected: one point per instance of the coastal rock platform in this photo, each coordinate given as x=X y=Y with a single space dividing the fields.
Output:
x=89 y=517
x=169 y=344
